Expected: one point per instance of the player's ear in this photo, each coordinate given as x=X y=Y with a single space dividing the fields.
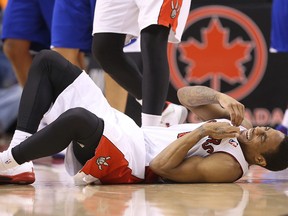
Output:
x=260 y=160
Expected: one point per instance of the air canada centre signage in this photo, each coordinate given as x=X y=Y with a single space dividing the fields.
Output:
x=226 y=47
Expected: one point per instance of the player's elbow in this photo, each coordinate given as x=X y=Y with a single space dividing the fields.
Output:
x=155 y=167
x=158 y=168
x=180 y=94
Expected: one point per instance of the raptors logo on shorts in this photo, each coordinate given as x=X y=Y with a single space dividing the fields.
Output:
x=109 y=165
x=169 y=13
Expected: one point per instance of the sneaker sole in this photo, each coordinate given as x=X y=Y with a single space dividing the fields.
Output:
x=22 y=178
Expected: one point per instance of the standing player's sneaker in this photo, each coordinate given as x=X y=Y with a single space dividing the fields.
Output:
x=173 y=114
x=22 y=174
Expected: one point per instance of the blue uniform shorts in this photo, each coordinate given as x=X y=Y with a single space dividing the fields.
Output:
x=73 y=24
x=279 y=30
x=29 y=20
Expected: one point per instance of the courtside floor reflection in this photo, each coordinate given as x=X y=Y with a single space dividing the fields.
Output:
x=260 y=193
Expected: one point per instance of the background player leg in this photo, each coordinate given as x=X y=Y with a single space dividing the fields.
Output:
x=155 y=85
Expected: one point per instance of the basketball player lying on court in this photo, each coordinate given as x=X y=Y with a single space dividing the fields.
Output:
x=107 y=147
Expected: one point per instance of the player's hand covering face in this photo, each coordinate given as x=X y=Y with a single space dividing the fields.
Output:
x=235 y=109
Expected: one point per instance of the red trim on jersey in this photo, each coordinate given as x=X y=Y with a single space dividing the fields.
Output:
x=169 y=13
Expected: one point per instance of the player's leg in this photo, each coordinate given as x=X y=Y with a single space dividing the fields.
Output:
x=158 y=24
x=71 y=29
x=109 y=37
x=18 y=53
x=78 y=125
x=154 y=41
x=115 y=94
x=107 y=49
x=29 y=32
x=75 y=56
x=155 y=109
x=49 y=75
x=45 y=82
x=16 y=43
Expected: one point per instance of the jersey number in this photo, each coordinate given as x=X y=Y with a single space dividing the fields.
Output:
x=207 y=145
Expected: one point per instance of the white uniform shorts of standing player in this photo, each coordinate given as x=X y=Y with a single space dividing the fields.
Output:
x=131 y=16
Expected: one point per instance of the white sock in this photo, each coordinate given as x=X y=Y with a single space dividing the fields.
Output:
x=150 y=120
x=7 y=161
x=18 y=137
x=285 y=119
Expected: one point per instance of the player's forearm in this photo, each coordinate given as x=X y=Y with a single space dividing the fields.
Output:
x=174 y=154
x=208 y=103
x=197 y=96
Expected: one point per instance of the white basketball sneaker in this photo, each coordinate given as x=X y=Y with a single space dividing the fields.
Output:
x=173 y=114
x=22 y=174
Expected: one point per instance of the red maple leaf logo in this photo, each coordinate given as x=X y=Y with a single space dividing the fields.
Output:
x=215 y=57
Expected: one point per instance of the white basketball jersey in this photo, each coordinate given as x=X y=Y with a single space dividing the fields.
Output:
x=157 y=140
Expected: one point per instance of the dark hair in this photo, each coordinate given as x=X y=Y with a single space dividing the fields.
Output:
x=278 y=159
